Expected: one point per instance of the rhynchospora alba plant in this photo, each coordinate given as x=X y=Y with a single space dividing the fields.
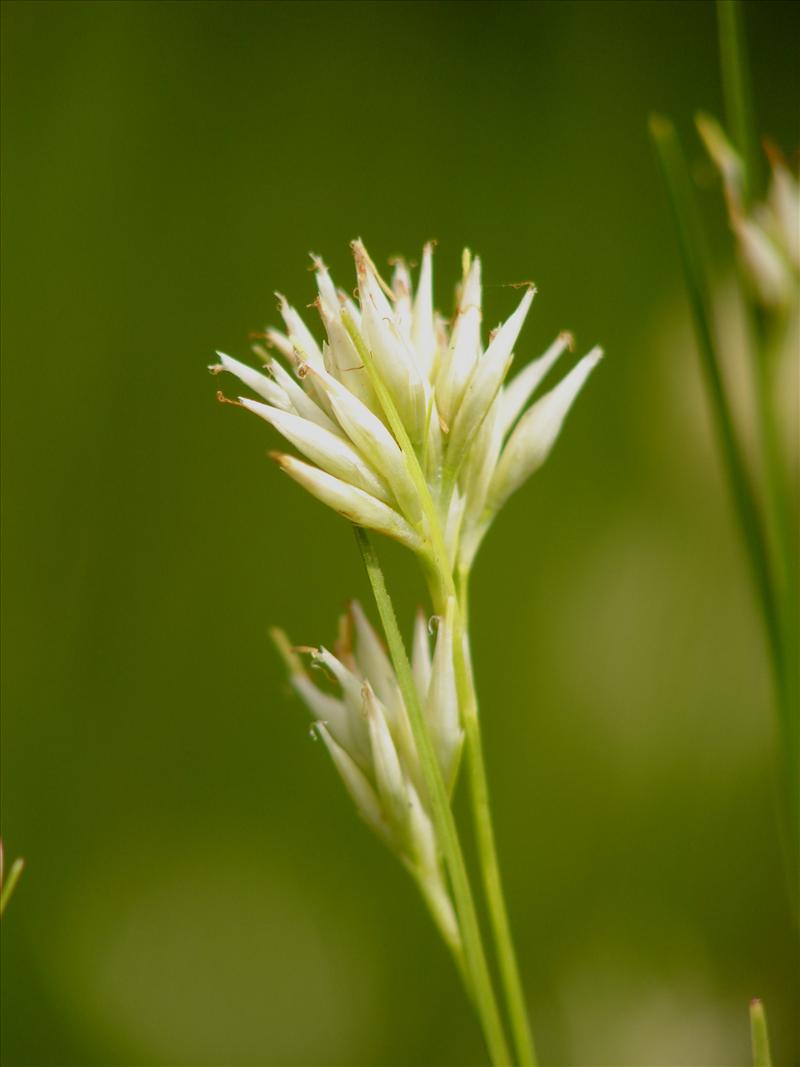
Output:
x=410 y=427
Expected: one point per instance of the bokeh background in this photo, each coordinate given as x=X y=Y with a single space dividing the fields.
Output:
x=198 y=890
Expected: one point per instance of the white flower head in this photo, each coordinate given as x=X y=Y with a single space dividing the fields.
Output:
x=406 y=422
x=355 y=701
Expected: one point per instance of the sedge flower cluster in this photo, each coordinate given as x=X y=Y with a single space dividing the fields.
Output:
x=362 y=718
x=407 y=425
x=405 y=422
x=768 y=232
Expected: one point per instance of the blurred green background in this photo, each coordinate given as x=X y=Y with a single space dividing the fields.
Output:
x=198 y=890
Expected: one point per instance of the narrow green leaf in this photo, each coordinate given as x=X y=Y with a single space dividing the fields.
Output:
x=759 y=1037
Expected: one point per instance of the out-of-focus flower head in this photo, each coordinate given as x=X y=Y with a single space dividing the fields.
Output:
x=767 y=233
x=358 y=710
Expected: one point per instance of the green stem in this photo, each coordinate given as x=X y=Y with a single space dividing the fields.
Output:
x=738 y=95
x=759 y=1037
x=741 y=122
x=444 y=821
x=487 y=849
x=443 y=585
x=484 y=828
x=783 y=535
x=780 y=512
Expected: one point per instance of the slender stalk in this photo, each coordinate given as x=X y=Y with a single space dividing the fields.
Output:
x=785 y=581
x=484 y=829
x=487 y=848
x=738 y=94
x=740 y=117
x=759 y=1037
x=774 y=477
x=481 y=983
x=442 y=586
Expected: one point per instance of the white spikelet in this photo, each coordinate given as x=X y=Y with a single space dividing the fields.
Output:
x=351 y=503
x=395 y=403
x=536 y=433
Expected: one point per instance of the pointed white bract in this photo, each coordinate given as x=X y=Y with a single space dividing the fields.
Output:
x=265 y=387
x=329 y=451
x=356 y=703
x=535 y=434
x=487 y=377
x=459 y=355
x=410 y=425
x=351 y=502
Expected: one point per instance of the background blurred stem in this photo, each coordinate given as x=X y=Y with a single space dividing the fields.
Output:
x=759 y=1037
x=765 y=327
x=679 y=192
x=784 y=571
x=738 y=94
x=776 y=612
x=776 y=491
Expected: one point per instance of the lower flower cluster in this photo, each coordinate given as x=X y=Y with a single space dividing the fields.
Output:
x=355 y=700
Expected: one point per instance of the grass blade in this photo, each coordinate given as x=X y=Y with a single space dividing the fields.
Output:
x=759 y=1038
